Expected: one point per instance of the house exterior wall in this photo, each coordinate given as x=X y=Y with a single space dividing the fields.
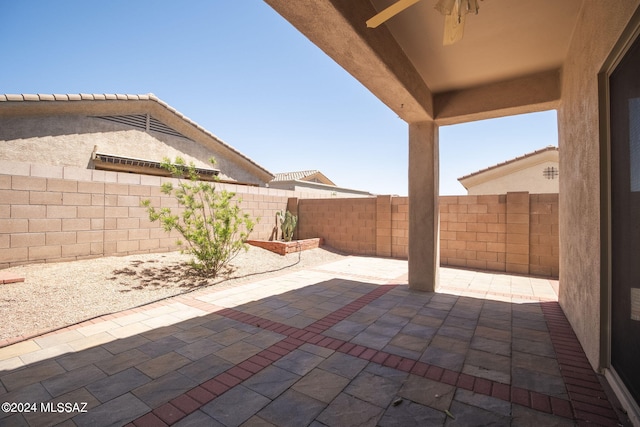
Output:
x=528 y=179
x=56 y=213
x=69 y=140
x=599 y=26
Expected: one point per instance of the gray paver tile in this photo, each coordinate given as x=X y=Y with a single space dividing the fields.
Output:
x=14 y=420
x=375 y=389
x=321 y=385
x=495 y=323
x=299 y=321
x=456 y=332
x=420 y=331
x=193 y=334
x=80 y=397
x=402 y=352
x=427 y=392
x=540 y=348
x=226 y=410
x=299 y=362
x=122 y=361
x=460 y=322
x=292 y=409
x=494 y=334
x=346 y=410
x=238 y=352
x=536 y=325
x=125 y=344
x=115 y=385
x=72 y=380
x=83 y=358
x=409 y=413
x=162 y=365
x=264 y=339
x=116 y=412
x=491 y=346
x=198 y=419
x=343 y=364
x=199 y=349
x=161 y=346
x=532 y=362
x=443 y=358
x=410 y=342
x=530 y=334
x=543 y=383
x=488 y=403
x=31 y=393
x=467 y=415
x=271 y=381
x=31 y=374
x=317 y=350
x=256 y=421
x=205 y=368
x=486 y=365
x=527 y=417
x=163 y=389
x=371 y=339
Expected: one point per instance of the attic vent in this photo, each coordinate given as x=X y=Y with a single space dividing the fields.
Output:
x=144 y=122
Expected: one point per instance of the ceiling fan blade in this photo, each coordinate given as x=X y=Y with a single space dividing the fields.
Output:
x=390 y=12
x=453 y=26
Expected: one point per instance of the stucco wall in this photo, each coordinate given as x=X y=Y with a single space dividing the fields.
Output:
x=599 y=27
x=68 y=140
x=528 y=179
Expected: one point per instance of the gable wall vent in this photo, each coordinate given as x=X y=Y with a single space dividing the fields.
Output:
x=144 y=122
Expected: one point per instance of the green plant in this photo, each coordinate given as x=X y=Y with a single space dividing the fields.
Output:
x=288 y=223
x=211 y=223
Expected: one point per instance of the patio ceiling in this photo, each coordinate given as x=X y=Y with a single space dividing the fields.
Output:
x=508 y=62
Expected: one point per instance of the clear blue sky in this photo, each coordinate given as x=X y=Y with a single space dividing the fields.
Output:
x=244 y=73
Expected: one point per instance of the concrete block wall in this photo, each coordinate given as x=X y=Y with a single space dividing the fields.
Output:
x=514 y=233
x=544 y=241
x=348 y=225
x=56 y=213
x=473 y=232
x=400 y=227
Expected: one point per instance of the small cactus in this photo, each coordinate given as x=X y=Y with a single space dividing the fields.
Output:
x=288 y=223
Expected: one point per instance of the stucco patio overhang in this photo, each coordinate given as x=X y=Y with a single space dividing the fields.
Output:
x=508 y=62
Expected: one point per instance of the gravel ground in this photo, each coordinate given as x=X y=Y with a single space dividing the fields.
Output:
x=61 y=294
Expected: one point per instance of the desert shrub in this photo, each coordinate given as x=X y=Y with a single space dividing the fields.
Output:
x=211 y=223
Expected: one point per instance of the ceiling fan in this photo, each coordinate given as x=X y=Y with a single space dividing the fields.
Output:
x=454 y=12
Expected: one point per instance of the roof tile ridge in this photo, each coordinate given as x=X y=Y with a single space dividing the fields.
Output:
x=506 y=162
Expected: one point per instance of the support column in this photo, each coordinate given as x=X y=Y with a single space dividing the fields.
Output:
x=424 y=214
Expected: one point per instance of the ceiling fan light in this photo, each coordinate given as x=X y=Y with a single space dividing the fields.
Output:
x=447 y=7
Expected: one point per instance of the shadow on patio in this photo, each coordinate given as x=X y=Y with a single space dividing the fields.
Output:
x=346 y=343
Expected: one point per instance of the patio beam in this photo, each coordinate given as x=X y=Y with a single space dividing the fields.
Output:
x=528 y=94
x=424 y=212
x=372 y=56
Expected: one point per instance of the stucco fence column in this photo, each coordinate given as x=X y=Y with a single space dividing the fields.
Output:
x=424 y=213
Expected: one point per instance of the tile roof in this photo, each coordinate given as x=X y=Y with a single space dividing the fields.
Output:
x=125 y=97
x=516 y=159
x=291 y=176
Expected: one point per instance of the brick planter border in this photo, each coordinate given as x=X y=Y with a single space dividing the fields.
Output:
x=284 y=248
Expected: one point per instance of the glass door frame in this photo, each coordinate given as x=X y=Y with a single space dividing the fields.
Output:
x=620 y=49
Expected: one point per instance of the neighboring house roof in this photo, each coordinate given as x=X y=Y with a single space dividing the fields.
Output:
x=119 y=106
x=310 y=176
x=549 y=153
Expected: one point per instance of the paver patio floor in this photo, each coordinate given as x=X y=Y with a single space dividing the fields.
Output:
x=346 y=343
